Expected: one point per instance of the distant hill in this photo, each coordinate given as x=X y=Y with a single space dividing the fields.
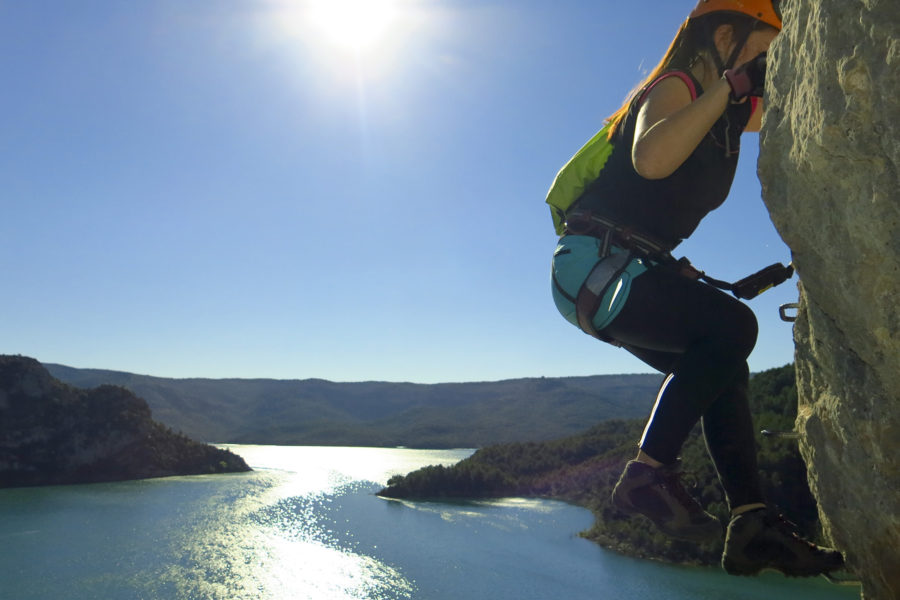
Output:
x=319 y=412
x=52 y=433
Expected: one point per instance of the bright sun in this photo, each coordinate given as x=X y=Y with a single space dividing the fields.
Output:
x=357 y=25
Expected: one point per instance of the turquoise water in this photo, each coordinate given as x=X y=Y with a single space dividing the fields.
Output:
x=307 y=525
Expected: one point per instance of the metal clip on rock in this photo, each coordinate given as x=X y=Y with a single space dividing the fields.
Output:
x=782 y=311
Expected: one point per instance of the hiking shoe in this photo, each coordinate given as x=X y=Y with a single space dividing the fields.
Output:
x=659 y=495
x=763 y=539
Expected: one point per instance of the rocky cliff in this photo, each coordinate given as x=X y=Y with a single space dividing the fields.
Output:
x=51 y=433
x=829 y=161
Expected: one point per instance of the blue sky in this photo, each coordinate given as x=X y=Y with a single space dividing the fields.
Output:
x=225 y=189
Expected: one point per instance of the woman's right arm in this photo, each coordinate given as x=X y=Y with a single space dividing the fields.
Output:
x=670 y=126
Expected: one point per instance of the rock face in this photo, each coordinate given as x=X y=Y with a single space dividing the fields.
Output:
x=829 y=165
x=51 y=433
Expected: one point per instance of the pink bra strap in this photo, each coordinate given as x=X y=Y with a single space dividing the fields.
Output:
x=681 y=75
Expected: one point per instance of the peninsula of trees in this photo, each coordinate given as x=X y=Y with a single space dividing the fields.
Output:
x=583 y=469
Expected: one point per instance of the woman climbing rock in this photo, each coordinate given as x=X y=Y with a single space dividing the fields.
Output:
x=663 y=161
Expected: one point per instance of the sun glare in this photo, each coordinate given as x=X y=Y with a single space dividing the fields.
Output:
x=357 y=25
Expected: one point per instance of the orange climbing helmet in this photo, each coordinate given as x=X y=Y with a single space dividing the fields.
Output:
x=761 y=10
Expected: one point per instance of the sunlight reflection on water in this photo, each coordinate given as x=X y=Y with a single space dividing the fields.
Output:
x=271 y=534
x=306 y=525
x=277 y=542
x=453 y=511
x=325 y=469
x=322 y=571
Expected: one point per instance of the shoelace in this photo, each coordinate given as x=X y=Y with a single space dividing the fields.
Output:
x=789 y=529
x=672 y=480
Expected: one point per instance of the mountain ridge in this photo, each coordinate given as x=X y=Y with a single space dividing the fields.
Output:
x=377 y=413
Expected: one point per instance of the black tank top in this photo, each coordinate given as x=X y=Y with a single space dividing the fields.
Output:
x=668 y=209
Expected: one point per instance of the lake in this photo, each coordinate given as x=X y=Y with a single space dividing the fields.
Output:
x=307 y=525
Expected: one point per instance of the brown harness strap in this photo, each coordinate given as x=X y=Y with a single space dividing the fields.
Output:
x=590 y=296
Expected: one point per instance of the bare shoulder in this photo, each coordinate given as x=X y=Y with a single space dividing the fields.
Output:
x=667 y=96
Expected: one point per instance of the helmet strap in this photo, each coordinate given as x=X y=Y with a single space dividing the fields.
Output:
x=741 y=39
x=741 y=42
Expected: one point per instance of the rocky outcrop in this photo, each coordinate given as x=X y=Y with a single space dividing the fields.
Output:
x=829 y=165
x=51 y=433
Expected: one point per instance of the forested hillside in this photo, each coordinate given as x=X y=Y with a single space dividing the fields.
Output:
x=52 y=433
x=583 y=469
x=318 y=412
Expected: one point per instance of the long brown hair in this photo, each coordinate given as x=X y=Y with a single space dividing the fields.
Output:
x=693 y=38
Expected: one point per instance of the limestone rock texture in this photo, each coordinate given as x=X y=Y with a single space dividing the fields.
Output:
x=829 y=162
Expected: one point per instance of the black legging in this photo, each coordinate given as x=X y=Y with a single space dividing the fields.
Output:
x=701 y=337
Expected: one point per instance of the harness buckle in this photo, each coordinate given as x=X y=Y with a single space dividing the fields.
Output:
x=584 y=222
x=579 y=223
